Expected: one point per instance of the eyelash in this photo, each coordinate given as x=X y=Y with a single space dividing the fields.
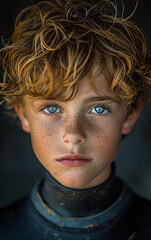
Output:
x=106 y=109
x=51 y=106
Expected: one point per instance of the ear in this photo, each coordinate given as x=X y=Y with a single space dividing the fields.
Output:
x=23 y=119
x=132 y=117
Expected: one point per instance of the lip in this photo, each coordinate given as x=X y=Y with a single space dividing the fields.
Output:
x=74 y=160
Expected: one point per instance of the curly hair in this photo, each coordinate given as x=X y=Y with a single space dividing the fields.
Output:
x=55 y=44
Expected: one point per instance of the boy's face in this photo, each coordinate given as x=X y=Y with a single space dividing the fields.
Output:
x=77 y=140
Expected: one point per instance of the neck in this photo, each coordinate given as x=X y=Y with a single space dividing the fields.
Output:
x=80 y=203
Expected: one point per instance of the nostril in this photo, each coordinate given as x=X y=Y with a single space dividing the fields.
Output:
x=73 y=139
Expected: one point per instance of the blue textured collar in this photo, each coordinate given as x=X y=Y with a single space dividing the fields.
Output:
x=112 y=213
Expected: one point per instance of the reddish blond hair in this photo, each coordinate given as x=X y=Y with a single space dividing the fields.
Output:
x=55 y=44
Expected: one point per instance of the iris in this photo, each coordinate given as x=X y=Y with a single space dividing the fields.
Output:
x=99 y=110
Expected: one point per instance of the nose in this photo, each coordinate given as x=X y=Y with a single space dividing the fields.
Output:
x=74 y=132
x=73 y=139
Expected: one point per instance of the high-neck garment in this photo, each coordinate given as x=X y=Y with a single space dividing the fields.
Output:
x=69 y=202
x=110 y=211
x=81 y=208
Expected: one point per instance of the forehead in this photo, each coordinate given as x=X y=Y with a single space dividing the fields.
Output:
x=86 y=88
x=96 y=87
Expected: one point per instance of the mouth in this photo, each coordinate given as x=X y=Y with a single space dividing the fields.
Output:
x=74 y=160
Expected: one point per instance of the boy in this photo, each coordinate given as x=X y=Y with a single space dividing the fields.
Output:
x=77 y=76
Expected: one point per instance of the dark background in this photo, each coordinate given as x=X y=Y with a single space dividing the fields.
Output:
x=19 y=168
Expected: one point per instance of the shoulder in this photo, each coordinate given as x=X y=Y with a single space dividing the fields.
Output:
x=17 y=220
x=139 y=218
x=14 y=212
x=141 y=208
x=21 y=221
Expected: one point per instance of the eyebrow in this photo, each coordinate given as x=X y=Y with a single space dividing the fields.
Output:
x=102 y=98
x=87 y=100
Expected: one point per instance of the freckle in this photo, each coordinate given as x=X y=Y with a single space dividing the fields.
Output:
x=55 y=173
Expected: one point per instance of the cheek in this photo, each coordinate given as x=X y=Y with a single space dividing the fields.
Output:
x=107 y=141
x=43 y=140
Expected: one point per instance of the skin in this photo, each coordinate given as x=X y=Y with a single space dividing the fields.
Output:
x=77 y=128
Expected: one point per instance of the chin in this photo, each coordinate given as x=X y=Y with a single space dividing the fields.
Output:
x=75 y=186
x=75 y=182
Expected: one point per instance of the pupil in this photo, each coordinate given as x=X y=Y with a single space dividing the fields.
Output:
x=99 y=109
x=52 y=109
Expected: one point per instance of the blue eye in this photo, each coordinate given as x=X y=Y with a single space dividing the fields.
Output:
x=51 y=110
x=99 y=110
